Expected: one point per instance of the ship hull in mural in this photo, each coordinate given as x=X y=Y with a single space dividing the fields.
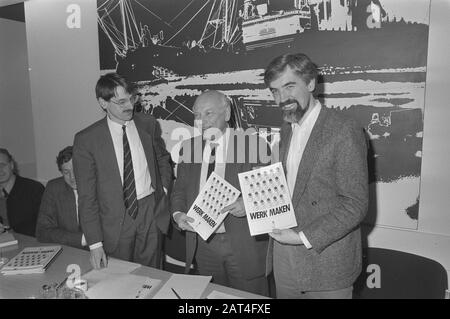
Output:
x=399 y=48
x=333 y=32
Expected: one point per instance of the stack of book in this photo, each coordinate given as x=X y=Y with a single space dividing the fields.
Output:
x=31 y=260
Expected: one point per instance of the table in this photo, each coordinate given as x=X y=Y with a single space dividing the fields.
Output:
x=29 y=286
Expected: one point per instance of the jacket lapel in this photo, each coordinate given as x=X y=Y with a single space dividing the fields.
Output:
x=147 y=145
x=285 y=141
x=232 y=165
x=195 y=170
x=309 y=157
x=197 y=166
x=70 y=205
x=106 y=147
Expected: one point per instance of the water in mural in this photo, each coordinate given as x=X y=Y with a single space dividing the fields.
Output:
x=371 y=54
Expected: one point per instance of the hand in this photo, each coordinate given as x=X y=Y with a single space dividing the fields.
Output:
x=183 y=221
x=98 y=258
x=286 y=236
x=236 y=209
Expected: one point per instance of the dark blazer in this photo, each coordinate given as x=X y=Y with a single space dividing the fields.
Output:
x=330 y=200
x=250 y=251
x=23 y=204
x=57 y=220
x=100 y=194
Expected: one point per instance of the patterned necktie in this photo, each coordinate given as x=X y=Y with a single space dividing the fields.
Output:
x=212 y=160
x=129 y=186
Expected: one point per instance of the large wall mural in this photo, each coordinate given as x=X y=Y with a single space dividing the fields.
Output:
x=372 y=57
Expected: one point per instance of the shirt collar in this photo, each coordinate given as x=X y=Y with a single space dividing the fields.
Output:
x=116 y=126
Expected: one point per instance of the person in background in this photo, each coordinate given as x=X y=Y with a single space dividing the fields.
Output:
x=324 y=155
x=58 y=220
x=123 y=173
x=20 y=197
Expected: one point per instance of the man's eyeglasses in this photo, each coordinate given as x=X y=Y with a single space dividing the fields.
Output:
x=123 y=102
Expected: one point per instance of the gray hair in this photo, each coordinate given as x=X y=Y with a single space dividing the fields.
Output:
x=300 y=63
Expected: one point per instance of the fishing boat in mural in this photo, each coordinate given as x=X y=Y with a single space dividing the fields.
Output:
x=247 y=34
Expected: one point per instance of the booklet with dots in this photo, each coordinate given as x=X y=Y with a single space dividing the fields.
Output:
x=267 y=199
x=216 y=194
x=31 y=260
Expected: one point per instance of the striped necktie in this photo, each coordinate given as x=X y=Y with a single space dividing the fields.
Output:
x=129 y=186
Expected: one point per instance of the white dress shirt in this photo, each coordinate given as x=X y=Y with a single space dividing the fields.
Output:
x=300 y=136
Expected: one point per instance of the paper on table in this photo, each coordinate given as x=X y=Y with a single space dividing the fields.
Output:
x=221 y=295
x=124 y=286
x=186 y=286
x=118 y=266
x=115 y=267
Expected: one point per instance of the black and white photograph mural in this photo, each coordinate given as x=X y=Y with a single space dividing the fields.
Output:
x=371 y=54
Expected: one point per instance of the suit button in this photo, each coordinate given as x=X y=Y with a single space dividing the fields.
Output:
x=314 y=203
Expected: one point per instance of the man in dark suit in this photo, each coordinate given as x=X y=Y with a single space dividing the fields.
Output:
x=231 y=256
x=123 y=173
x=20 y=197
x=324 y=156
x=58 y=220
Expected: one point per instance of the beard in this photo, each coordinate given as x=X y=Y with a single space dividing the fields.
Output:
x=292 y=111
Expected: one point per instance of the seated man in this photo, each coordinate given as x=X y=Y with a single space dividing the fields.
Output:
x=58 y=216
x=19 y=197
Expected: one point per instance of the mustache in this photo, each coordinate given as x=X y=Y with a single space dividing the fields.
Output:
x=287 y=102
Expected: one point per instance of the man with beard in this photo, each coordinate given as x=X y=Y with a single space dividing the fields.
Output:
x=123 y=172
x=324 y=157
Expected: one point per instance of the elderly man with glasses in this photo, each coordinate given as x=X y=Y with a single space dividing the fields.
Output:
x=123 y=172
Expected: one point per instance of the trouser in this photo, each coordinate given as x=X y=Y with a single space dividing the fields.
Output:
x=140 y=239
x=216 y=258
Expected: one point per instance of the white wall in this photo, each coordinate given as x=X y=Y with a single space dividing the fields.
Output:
x=16 y=120
x=435 y=184
x=64 y=69
x=432 y=239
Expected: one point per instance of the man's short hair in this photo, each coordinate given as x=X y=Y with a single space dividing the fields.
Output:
x=64 y=156
x=108 y=83
x=300 y=63
x=10 y=159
